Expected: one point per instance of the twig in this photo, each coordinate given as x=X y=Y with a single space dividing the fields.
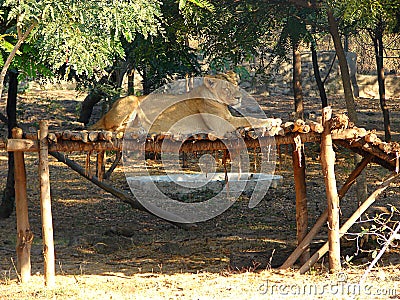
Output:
x=15 y=268
x=388 y=242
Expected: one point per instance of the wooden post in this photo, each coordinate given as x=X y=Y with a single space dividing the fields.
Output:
x=299 y=173
x=346 y=226
x=305 y=243
x=100 y=166
x=328 y=169
x=24 y=233
x=45 y=206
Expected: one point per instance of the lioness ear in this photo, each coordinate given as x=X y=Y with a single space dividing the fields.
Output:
x=209 y=82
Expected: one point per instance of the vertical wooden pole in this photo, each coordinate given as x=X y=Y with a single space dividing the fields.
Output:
x=45 y=206
x=350 y=221
x=322 y=219
x=100 y=167
x=328 y=169
x=299 y=173
x=24 y=233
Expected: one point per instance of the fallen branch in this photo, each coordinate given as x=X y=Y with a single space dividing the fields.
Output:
x=392 y=237
x=354 y=217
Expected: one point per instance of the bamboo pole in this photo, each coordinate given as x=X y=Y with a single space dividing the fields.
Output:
x=328 y=169
x=45 y=206
x=346 y=226
x=299 y=173
x=24 y=233
x=305 y=243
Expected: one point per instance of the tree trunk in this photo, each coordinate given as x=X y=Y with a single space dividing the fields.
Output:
x=317 y=75
x=8 y=200
x=146 y=82
x=344 y=68
x=87 y=105
x=297 y=88
x=348 y=94
x=131 y=82
x=379 y=49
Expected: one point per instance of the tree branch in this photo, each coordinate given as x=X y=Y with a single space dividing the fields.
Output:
x=13 y=53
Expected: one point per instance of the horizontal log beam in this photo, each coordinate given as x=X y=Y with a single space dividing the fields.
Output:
x=25 y=145
x=357 y=145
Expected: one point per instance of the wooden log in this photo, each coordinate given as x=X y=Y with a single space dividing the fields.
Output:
x=66 y=135
x=105 y=135
x=348 y=134
x=151 y=146
x=22 y=145
x=45 y=206
x=24 y=233
x=385 y=147
x=362 y=147
x=328 y=169
x=346 y=226
x=314 y=126
x=298 y=124
x=288 y=127
x=277 y=131
x=52 y=137
x=371 y=137
x=93 y=136
x=299 y=173
x=84 y=136
x=76 y=136
x=124 y=197
x=305 y=243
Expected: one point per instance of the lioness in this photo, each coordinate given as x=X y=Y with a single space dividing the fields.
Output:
x=203 y=109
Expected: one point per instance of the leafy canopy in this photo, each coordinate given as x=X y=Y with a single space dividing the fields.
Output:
x=83 y=34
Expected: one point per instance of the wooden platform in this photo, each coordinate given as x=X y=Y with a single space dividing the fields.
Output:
x=358 y=140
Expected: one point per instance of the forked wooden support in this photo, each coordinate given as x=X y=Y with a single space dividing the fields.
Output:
x=45 y=206
x=305 y=243
x=24 y=233
x=328 y=169
x=346 y=226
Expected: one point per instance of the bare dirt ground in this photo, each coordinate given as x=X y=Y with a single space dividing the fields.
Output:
x=106 y=250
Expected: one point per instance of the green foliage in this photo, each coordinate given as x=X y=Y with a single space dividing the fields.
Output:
x=164 y=56
x=365 y=14
x=239 y=32
x=85 y=35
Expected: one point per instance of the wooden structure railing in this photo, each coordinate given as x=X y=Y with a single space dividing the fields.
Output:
x=333 y=130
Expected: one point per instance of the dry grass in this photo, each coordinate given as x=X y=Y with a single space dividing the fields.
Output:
x=105 y=250
x=383 y=284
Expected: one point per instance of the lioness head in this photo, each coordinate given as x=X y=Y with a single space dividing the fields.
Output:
x=223 y=91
